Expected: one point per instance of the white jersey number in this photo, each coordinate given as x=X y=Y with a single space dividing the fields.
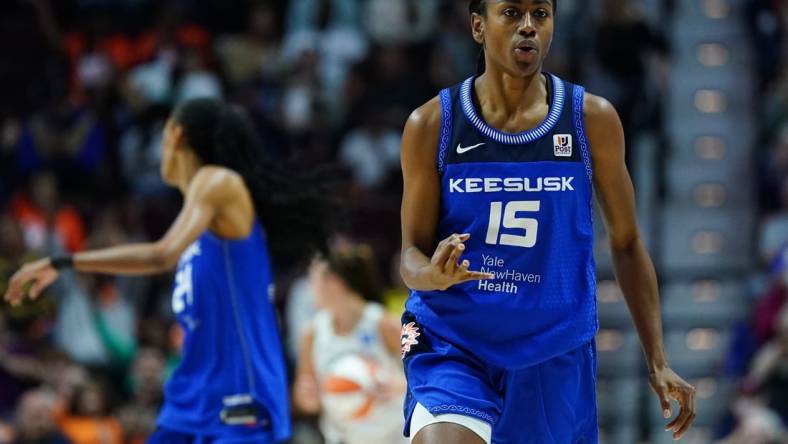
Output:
x=183 y=293
x=529 y=226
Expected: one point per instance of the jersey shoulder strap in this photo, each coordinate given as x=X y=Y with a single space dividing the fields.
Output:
x=447 y=99
x=579 y=122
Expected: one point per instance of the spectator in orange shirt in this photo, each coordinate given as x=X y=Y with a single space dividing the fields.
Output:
x=33 y=420
x=86 y=420
x=42 y=215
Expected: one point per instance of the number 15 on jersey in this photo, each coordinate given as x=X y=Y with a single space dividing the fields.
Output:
x=507 y=216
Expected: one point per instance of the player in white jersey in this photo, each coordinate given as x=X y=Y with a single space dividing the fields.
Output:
x=351 y=326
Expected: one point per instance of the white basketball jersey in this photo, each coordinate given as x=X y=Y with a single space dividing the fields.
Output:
x=384 y=423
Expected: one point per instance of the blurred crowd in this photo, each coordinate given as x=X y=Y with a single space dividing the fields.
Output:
x=87 y=86
x=758 y=358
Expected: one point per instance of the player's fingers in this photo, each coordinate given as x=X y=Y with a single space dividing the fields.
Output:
x=462 y=272
x=9 y=292
x=476 y=276
x=14 y=291
x=664 y=400
x=684 y=427
x=451 y=263
x=678 y=423
x=15 y=297
x=444 y=250
x=9 y=295
x=679 y=420
x=37 y=287
x=683 y=396
x=688 y=411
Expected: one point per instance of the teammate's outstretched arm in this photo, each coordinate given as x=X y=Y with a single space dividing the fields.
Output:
x=306 y=392
x=633 y=267
x=420 y=207
x=207 y=192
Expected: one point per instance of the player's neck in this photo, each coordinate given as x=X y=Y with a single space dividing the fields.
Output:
x=500 y=91
x=188 y=166
x=346 y=318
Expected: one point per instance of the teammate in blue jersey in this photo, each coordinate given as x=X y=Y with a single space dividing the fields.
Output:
x=230 y=386
x=499 y=174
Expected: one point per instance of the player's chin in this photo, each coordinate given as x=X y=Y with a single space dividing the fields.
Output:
x=166 y=175
x=527 y=66
x=524 y=70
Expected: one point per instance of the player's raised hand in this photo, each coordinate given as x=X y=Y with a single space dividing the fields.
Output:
x=667 y=384
x=30 y=281
x=446 y=270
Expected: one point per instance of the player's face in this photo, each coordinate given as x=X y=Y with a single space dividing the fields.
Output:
x=324 y=285
x=516 y=34
x=172 y=134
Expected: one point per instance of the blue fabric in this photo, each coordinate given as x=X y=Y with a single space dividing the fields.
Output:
x=446 y=119
x=553 y=402
x=231 y=350
x=526 y=201
x=166 y=436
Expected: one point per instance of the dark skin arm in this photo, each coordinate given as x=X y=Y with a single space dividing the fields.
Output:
x=425 y=266
x=633 y=267
x=214 y=195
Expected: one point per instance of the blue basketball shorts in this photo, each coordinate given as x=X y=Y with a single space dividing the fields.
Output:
x=164 y=435
x=553 y=402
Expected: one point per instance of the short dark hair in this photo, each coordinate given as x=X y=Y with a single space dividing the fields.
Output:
x=477 y=6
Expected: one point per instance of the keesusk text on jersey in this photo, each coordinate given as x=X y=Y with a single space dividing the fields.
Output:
x=510 y=184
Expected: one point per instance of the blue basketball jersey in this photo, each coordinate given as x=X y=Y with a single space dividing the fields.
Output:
x=526 y=200
x=232 y=355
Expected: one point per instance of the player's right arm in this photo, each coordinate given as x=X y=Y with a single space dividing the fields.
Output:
x=425 y=266
x=211 y=189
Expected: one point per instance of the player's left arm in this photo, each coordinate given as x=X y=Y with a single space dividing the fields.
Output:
x=633 y=267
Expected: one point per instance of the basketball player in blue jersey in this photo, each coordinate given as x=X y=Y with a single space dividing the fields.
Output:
x=499 y=173
x=230 y=386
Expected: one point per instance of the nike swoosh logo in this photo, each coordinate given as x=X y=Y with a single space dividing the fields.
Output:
x=464 y=149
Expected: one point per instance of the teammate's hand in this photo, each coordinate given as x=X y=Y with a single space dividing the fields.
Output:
x=385 y=391
x=667 y=384
x=445 y=268
x=306 y=394
x=30 y=281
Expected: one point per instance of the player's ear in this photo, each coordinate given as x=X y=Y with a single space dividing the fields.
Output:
x=477 y=28
x=178 y=136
